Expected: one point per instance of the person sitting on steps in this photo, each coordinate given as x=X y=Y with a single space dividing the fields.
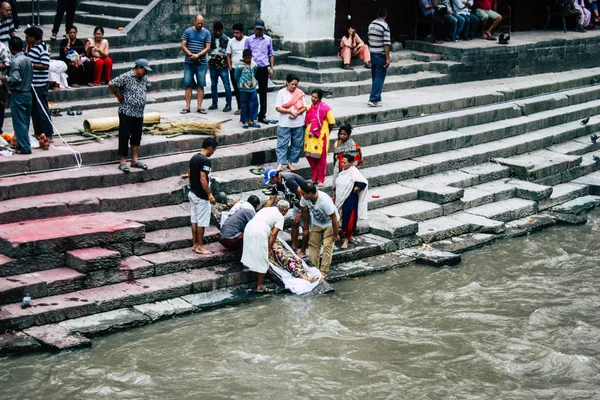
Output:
x=486 y=10
x=352 y=46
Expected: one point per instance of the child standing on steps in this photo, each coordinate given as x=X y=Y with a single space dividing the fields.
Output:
x=247 y=84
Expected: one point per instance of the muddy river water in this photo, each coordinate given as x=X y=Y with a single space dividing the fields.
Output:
x=517 y=320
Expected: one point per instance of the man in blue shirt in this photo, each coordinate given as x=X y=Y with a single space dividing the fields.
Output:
x=264 y=56
x=195 y=44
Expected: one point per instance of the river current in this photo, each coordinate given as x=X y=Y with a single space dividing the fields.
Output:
x=517 y=320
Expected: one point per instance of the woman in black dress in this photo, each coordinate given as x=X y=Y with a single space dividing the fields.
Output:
x=72 y=52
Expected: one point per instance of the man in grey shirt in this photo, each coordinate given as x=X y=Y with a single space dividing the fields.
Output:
x=19 y=83
x=234 y=221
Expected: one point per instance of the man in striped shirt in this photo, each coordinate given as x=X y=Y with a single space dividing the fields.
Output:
x=7 y=28
x=379 y=44
x=40 y=59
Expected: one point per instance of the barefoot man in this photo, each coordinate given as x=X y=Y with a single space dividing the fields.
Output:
x=200 y=196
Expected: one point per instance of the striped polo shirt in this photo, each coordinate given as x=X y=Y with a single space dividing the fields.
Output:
x=379 y=36
x=196 y=42
x=39 y=54
x=7 y=27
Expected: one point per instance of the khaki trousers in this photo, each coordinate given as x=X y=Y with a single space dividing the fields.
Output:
x=321 y=236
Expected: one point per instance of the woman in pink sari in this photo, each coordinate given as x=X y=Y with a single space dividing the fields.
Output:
x=290 y=105
x=319 y=120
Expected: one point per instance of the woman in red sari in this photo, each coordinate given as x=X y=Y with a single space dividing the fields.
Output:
x=319 y=120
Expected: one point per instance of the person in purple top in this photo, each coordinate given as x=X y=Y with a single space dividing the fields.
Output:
x=264 y=56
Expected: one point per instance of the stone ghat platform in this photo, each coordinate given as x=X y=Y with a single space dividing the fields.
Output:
x=528 y=53
x=449 y=170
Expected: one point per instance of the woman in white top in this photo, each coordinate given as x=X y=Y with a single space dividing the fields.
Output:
x=462 y=8
x=259 y=237
x=290 y=132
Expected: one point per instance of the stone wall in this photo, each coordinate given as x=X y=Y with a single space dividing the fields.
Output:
x=165 y=21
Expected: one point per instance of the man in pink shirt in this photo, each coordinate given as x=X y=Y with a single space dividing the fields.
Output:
x=486 y=9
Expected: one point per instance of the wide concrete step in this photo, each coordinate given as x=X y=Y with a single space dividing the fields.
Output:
x=66 y=233
x=539 y=164
x=166 y=66
x=40 y=284
x=331 y=75
x=326 y=62
x=109 y=21
x=505 y=210
x=394 y=82
x=110 y=9
x=58 y=308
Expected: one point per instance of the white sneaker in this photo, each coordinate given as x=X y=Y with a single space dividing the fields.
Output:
x=372 y=104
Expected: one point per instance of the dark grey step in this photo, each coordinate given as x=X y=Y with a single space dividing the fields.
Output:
x=111 y=9
x=334 y=75
x=103 y=21
x=333 y=61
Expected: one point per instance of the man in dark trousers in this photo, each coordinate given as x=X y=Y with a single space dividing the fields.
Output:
x=379 y=45
x=264 y=56
x=19 y=83
x=130 y=89
x=62 y=7
x=40 y=59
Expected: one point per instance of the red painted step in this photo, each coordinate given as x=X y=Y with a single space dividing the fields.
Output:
x=40 y=284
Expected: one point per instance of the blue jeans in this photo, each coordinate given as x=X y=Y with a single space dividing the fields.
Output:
x=378 y=72
x=191 y=70
x=20 y=109
x=461 y=22
x=284 y=137
x=249 y=106
x=224 y=75
x=450 y=25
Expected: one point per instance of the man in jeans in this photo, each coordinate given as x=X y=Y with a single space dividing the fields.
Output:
x=19 y=83
x=235 y=48
x=218 y=67
x=195 y=43
x=325 y=227
x=379 y=43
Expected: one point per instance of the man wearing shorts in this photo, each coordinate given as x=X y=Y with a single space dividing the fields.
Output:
x=485 y=10
x=287 y=185
x=195 y=43
x=200 y=196
x=130 y=89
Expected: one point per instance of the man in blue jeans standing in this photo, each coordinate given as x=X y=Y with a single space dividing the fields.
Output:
x=379 y=44
x=195 y=43
x=218 y=67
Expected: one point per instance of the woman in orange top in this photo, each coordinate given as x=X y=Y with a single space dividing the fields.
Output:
x=352 y=46
x=96 y=49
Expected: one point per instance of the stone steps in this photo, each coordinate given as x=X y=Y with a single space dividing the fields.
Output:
x=394 y=82
x=326 y=62
x=309 y=75
x=108 y=9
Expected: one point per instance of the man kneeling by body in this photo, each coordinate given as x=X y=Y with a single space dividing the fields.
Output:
x=234 y=221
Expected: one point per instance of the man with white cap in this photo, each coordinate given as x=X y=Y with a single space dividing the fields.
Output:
x=264 y=56
x=130 y=89
x=287 y=185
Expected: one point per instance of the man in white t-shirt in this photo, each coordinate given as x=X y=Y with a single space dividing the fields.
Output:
x=234 y=50
x=289 y=103
x=325 y=227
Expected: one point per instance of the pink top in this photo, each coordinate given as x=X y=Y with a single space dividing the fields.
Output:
x=93 y=54
x=347 y=42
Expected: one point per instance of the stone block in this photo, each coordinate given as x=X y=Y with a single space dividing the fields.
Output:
x=17 y=343
x=436 y=193
x=431 y=256
x=568 y=219
x=441 y=228
x=222 y=297
x=165 y=309
x=499 y=189
x=479 y=224
x=168 y=262
x=134 y=268
x=383 y=196
x=561 y=194
x=57 y=338
x=417 y=210
x=125 y=249
x=364 y=246
x=578 y=205
x=407 y=241
x=506 y=210
x=488 y=172
x=464 y=243
x=394 y=227
x=451 y=208
x=527 y=225
x=530 y=191
x=103 y=277
x=591 y=180
x=474 y=197
x=368 y=265
x=92 y=259
x=102 y=323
